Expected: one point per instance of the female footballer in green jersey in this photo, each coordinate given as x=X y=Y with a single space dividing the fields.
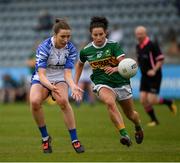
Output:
x=104 y=56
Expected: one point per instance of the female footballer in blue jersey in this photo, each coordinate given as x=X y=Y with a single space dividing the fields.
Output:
x=54 y=61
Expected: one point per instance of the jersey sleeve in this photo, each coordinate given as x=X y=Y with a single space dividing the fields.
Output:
x=73 y=53
x=82 y=57
x=157 y=52
x=118 y=52
x=41 y=57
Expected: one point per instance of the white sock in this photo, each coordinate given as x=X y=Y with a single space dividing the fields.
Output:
x=45 y=138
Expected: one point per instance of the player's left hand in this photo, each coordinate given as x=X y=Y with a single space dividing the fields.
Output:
x=151 y=72
x=77 y=93
x=110 y=70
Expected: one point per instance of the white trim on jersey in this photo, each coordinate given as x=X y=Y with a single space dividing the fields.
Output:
x=122 y=55
x=99 y=47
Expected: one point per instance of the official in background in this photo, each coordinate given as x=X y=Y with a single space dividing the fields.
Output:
x=150 y=60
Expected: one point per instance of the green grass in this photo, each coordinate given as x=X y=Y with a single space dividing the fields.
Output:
x=20 y=138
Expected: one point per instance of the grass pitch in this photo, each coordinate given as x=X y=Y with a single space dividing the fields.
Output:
x=20 y=138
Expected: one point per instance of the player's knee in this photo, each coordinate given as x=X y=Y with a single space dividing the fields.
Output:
x=109 y=102
x=63 y=102
x=144 y=101
x=151 y=101
x=35 y=104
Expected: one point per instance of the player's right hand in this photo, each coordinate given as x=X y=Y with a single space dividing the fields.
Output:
x=110 y=70
x=56 y=90
x=151 y=73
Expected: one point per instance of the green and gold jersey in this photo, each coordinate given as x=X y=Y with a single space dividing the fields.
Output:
x=101 y=57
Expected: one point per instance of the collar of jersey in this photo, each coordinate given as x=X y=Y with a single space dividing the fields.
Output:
x=145 y=42
x=99 y=47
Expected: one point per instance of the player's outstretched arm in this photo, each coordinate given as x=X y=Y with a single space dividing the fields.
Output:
x=76 y=91
x=78 y=71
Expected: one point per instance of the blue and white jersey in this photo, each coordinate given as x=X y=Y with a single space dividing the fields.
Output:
x=54 y=60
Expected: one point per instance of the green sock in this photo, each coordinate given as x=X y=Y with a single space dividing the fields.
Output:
x=123 y=132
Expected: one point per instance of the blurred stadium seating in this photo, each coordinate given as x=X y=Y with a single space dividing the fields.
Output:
x=18 y=17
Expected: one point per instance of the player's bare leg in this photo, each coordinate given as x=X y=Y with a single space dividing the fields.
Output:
x=37 y=95
x=129 y=110
x=108 y=97
x=68 y=115
x=154 y=99
x=148 y=107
